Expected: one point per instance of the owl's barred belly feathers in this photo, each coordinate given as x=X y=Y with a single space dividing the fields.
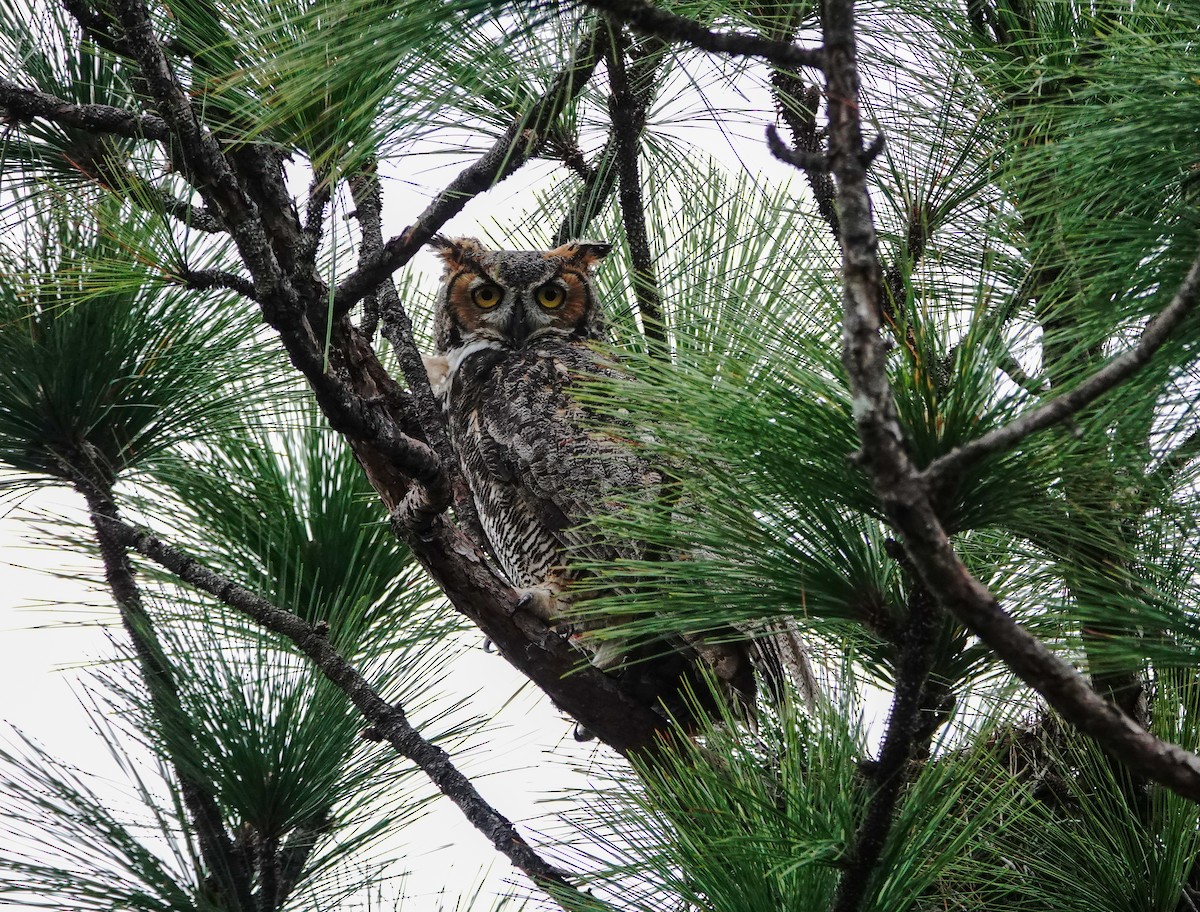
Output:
x=538 y=469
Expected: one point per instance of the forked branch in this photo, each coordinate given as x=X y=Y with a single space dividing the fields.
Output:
x=904 y=492
x=1118 y=369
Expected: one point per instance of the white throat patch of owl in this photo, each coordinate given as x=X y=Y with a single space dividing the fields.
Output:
x=441 y=375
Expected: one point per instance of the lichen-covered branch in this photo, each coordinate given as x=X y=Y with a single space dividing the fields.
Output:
x=21 y=105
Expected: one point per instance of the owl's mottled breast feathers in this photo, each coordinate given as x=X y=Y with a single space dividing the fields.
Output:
x=539 y=466
x=514 y=331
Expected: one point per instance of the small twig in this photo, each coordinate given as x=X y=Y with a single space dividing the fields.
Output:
x=388 y=721
x=208 y=279
x=628 y=116
x=505 y=156
x=650 y=20
x=196 y=217
x=816 y=163
x=1116 y=371
x=320 y=191
x=898 y=748
x=295 y=852
x=20 y=104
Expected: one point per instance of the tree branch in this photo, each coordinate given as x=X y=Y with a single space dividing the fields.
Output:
x=398 y=330
x=505 y=156
x=628 y=115
x=22 y=105
x=222 y=860
x=1118 y=369
x=210 y=173
x=388 y=721
x=650 y=20
x=898 y=748
x=645 y=64
x=208 y=279
x=904 y=493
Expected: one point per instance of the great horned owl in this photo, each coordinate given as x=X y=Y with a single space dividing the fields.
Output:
x=513 y=330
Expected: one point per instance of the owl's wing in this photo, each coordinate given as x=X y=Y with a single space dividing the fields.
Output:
x=566 y=467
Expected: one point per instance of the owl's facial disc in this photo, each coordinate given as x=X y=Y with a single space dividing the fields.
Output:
x=514 y=298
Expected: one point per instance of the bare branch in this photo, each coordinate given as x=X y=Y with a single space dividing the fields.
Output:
x=645 y=64
x=1177 y=460
x=811 y=163
x=208 y=279
x=1118 y=369
x=23 y=105
x=506 y=155
x=650 y=20
x=221 y=859
x=628 y=114
x=388 y=721
x=904 y=493
x=398 y=330
x=898 y=748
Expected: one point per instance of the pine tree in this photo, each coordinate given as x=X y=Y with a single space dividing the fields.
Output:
x=921 y=382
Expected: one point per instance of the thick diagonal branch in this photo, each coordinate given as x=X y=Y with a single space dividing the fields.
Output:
x=650 y=20
x=903 y=492
x=505 y=156
x=387 y=720
x=1118 y=369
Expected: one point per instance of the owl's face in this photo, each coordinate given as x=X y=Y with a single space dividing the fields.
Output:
x=514 y=298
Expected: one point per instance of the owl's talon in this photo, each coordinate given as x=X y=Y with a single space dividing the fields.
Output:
x=541 y=602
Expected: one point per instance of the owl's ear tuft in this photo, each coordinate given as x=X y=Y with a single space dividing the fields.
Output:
x=457 y=253
x=581 y=253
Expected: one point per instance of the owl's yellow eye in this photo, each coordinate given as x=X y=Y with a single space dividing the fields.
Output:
x=550 y=296
x=486 y=296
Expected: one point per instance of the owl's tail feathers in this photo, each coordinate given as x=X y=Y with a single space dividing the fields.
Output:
x=781 y=658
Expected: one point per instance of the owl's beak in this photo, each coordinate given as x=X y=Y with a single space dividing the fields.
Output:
x=518 y=329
